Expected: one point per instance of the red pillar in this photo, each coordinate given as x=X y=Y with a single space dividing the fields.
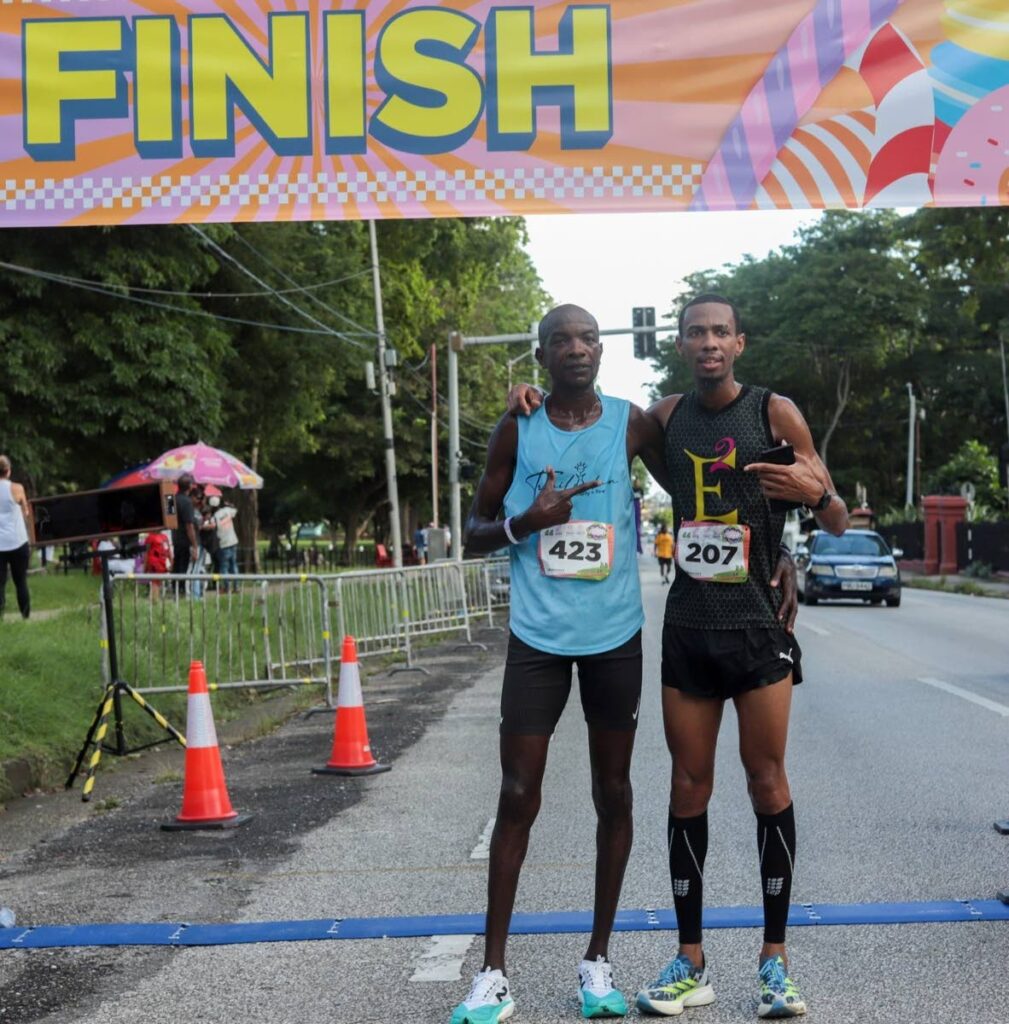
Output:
x=942 y=513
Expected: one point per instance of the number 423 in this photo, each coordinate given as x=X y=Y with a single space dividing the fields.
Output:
x=577 y=551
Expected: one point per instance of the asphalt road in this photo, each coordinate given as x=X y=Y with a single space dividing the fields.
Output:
x=899 y=762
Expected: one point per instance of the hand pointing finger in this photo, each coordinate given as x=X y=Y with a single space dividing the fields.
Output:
x=581 y=488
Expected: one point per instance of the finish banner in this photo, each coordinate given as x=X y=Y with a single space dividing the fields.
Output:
x=140 y=111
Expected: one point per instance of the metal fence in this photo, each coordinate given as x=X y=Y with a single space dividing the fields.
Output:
x=249 y=631
x=278 y=630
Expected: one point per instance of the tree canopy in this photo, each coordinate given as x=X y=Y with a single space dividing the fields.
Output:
x=860 y=306
x=116 y=344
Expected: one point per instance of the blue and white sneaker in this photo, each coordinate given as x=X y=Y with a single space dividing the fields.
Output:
x=596 y=992
x=779 y=995
x=488 y=1002
x=680 y=985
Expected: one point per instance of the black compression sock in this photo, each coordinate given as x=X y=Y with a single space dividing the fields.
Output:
x=688 y=846
x=776 y=846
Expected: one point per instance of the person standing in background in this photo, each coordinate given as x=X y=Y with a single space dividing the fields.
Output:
x=663 y=548
x=15 y=518
x=185 y=543
x=227 y=536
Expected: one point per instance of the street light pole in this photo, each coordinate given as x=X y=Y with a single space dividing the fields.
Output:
x=435 y=520
x=911 y=426
x=384 y=391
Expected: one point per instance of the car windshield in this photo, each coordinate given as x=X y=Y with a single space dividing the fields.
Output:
x=850 y=544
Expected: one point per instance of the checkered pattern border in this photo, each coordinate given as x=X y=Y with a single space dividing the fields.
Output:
x=557 y=184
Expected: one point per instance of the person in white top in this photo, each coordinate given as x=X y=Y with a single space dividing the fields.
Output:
x=227 y=535
x=15 y=515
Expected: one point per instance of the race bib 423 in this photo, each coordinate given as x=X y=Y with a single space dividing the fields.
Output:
x=577 y=550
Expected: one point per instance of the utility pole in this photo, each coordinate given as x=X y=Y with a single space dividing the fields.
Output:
x=911 y=432
x=1005 y=386
x=455 y=346
x=434 y=434
x=385 y=392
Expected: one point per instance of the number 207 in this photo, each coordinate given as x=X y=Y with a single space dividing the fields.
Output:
x=710 y=553
x=575 y=551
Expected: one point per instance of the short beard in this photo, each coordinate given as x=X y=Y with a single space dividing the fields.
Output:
x=711 y=383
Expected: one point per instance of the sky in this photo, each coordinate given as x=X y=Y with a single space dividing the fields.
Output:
x=610 y=263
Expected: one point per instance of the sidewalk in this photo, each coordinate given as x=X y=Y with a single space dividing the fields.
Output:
x=996 y=586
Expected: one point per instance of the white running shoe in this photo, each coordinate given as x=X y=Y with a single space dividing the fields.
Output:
x=488 y=1002
x=596 y=992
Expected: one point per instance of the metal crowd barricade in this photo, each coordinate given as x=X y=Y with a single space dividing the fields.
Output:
x=249 y=631
x=434 y=599
x=274 y=630
x=488 y=588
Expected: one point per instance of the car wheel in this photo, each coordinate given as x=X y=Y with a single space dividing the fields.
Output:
x=893 y=602
x=875 y=600
x=807 y=597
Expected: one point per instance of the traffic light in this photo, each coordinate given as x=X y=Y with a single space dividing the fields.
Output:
x=1003 y=466
x=644 y=344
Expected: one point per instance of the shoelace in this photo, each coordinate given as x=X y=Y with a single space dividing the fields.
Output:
x=597 y=976
x=772 y=973
x=485 y=984
x=678 y=969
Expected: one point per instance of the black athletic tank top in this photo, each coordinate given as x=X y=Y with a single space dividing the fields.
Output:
x=705 y=453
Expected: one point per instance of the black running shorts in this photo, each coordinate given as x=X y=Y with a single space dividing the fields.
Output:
x=723 y=663
x=537 y=684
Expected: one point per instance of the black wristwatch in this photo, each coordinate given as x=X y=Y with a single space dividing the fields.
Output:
x=824 y=501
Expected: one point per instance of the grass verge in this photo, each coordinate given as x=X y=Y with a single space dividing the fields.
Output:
x=950 y=587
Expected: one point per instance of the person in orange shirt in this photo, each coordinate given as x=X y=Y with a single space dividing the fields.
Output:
x=663 y=549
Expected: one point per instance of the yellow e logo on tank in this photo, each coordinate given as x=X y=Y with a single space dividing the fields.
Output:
x=700 y=490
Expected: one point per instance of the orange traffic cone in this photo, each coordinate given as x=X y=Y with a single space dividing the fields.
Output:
x=205 y=801
x=351 y=749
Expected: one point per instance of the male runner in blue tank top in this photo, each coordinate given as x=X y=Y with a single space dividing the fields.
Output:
x=722 y=639
x=562 y=479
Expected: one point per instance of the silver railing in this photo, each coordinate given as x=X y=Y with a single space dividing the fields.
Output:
x=285 y=630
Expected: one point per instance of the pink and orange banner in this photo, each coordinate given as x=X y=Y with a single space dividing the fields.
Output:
x=142 y=111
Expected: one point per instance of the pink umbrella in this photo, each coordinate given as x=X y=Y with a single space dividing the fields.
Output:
x=207 y=465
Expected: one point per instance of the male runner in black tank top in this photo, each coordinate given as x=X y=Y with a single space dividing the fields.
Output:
x=722 y=638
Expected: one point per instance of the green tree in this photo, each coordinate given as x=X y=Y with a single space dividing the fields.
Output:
x=973 y=464
x=99 y=378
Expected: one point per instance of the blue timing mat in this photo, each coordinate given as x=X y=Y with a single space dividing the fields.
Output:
x=175 y=934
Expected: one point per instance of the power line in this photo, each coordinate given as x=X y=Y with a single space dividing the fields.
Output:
x=441 y=398
x=482 y=445
x=190 y=294
x=69 y=282
x=313 y=298
x=283 y=298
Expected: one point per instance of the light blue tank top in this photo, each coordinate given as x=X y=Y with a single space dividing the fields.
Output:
x=576 y=616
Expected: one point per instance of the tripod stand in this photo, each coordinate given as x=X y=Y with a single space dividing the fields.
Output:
x=111 y=702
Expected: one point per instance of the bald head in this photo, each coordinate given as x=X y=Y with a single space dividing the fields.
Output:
x=563 y=314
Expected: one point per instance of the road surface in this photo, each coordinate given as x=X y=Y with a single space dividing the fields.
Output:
x=899 y=762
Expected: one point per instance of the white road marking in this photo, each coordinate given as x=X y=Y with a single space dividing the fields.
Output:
x=984 y=702
x=818 y=630
x=444 y=958
x=482 y=849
